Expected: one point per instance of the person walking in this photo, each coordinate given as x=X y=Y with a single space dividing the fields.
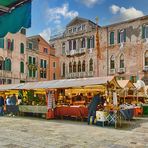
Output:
x=1 y=106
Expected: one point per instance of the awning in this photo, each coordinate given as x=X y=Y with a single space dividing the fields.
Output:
x=126 y=84
x=14 y=14
x=68 y=83
x=10 y=87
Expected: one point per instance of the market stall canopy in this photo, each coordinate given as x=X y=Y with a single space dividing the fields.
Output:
x=10 y=87
x=126 y=84
x=69 y=83
x=14 y=14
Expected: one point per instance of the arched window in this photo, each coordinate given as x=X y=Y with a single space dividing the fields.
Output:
x=22 y=67
x=83 y=43
x=22 y=48
x=1 y=63
x=146 y=58
x=112 y=62
x=70 y=67
x=74 y=44
x=63 y=69
x=91 y=65
x=79 y=66
x=74 y=67
x=83 y=66
x=122 y=61
x=8 y=64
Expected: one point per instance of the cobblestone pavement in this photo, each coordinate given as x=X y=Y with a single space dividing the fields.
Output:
x=25 y=132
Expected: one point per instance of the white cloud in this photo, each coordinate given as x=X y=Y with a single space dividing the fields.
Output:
x=46 y=33
x=90 y=3
x=122 y=13
x=55 y=14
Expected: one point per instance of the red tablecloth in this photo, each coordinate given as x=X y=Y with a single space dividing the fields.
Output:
x=80 y=112
x=138 y=111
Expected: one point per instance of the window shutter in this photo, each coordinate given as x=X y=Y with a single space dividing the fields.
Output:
x=88 y=42
x=12 y=45
x=41 y=64
x=33 y=60
x=22 y=67
x=118 y=36
x=1 y=42
x=30 y=60
x=124 y=35
x=30 y=73
x=112 y=38
x=34 y=71
x=143 y=32
x=9 y=64
x=44 y=63
x=93 y=41
x=22 y=48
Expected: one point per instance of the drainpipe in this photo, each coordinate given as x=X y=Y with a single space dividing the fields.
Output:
x=107 y=54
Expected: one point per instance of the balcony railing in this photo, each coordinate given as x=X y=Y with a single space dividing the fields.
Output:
x=112 y=71
x=121 y=70
x=145 y=69
x=90 y=74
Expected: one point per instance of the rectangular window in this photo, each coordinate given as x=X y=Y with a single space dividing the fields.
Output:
x=54 y=64
x=54 y=76
x=30 y=60
x=9 y=81
x=30 y=73
x=30 y=45
x=41 y=63
x=34 y=60
x=145 y=31
x=34 y=73
x=1 y=42
x=111 y=38
x=45 y=63
x=122 y=36
x=45 y=50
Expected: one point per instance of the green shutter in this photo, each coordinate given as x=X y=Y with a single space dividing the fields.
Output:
x=1 y=42
x=30 y=73
x=30 y=60
x=112 y=38
x=88 y=42
x=12 y=45
x=44 y=63
x=118 y=36
x=124 y=35
x=33 y=60
x=9 y=65
x=41 y=63
x=22 y=48
x=34 y=71
x=143 y=32
x=93 y=41
x=22 y=67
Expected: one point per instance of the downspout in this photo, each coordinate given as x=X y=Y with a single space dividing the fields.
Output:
x=107 y=54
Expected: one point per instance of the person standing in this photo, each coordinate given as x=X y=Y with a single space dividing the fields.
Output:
x=13 y=99
x=1 y=106
x=93 y=107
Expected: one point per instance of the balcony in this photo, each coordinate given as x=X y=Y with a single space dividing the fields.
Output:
x=121 y=70
x=145 y=69
x=6 y=74
x=90 y=74
x=112 y=71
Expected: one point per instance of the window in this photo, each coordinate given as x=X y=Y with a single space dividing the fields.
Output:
x=23 y=31
x=41 y=63
x=112 y=62
x=146 y=59
x=88 y=43
x=43 y=74
x=30 y=60
x=34 y=60
x=83 y=43
x=91 y=65
x=92 y=42
x=63 y=48
x=22 y=48
x=83 y=27
x=70 y=30
x=79 y=66
x=111 y=38
x=145 y=31
x=133 y=79
x=70 y=45
x=63 y=69
x=30 y=45
x=74 y=67
x=45 y=64
x=9 y=81
x=54 y=76
x=79 y=28
x=54 y=64
x=22 y=67
x=1 y=42
x=122 y=61
x=70 y=67
x=83 y=66
x=45 y=50
x=122 y=36
x=8 y=64
x=1 y=63
x=74 y=44
x=10 y=44
x=74 y=29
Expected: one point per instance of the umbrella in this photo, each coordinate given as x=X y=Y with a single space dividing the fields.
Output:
x=14 y=14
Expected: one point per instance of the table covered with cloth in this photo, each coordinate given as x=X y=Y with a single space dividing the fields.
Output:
x=71 y=111
x=127 y=113
x=12 y=109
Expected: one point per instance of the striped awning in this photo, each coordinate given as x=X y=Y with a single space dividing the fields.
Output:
x=14 y=14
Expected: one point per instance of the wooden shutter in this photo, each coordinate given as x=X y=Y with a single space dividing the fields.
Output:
x=143 y=32
x=118 y=36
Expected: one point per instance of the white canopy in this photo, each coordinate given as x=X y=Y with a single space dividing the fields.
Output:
x=67 y=83
x=10 y=86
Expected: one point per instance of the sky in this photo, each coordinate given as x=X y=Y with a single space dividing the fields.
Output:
x=50 y=17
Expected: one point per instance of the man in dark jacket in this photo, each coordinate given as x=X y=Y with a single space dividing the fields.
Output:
x=93 y=107
x=1 y=106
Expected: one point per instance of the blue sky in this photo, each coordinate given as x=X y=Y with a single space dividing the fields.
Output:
x=51 y=16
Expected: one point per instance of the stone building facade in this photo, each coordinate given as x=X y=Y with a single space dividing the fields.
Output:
x=76 y=49
x=123 y=47
x=12 y=58
x=41 y=57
